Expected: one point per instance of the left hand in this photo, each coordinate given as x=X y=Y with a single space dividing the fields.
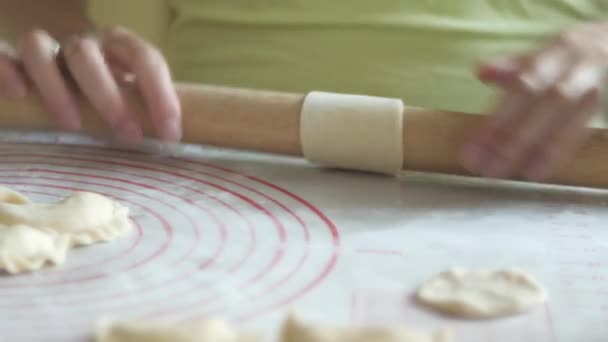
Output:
x=549 y=96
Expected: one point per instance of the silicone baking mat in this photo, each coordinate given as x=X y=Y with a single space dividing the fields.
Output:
x=251 y=237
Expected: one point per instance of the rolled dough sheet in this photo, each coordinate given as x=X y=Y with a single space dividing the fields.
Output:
x=482 y=293
x=353 y=132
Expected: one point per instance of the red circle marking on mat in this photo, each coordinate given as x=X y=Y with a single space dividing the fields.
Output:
x=127 y=250
x=90 y=183
x=160 y=251
x=115 y=179
x=142 y=185
x=223 y=230
x=328 y=223
x=280 y=228
x=223 y=233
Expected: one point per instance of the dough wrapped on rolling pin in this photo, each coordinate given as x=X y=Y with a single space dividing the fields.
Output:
x=353 y=131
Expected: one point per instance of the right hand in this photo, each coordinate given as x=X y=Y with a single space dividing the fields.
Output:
x=96 y=66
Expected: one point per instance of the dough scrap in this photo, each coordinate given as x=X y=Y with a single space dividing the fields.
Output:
x=25 y=249
x=353 y=131
x=296 y=331
x=482 y=293
x=85 y=216
x=150 y=331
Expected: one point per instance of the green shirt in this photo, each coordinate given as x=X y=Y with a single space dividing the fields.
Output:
x=423 y=51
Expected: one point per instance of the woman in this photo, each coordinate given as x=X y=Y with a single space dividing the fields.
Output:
x=548 y=59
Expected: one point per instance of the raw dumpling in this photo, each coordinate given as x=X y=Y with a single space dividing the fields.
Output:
x=24 y=249
x=150 y=331
x=34 y=234
x=86 y=217
x=296 y=331
x=481 y=293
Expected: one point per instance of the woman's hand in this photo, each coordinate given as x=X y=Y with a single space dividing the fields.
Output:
x=96 y=65
x=549 y=96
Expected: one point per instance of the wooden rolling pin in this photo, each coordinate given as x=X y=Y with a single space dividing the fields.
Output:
x=269 y=122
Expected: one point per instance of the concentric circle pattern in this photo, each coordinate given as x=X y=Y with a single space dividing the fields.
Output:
x=209 y=241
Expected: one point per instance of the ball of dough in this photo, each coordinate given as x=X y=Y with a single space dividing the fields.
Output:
x=482 y=293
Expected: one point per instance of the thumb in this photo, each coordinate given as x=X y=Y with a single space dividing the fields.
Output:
x=500 y=71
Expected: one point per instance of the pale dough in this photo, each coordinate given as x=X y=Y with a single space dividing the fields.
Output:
x=296 y=331
x=353 y=132
x=482 y=293
x=10 y=196
x=85 y=217
x=24 y=249
x=218 y=331
x=35 y=234
x=151 y=331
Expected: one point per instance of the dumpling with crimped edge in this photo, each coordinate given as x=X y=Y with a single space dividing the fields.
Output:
x=215 y=330
x=295 y=330
x=8 y=195
x=26 y=249
x=85 y=216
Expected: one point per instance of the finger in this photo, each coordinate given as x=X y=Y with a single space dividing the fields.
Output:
x=88 y=68
x=502 y=70
x=8 y=50
x=509 y=151
x=12 y=82
x=37 y=52
x=121 y=72
x=152 y=77
x=479 y=154
x=546 y=69
x=475 y=154
x=122 y=76
x=563 y=144
x=558 y=105
x=519 y=119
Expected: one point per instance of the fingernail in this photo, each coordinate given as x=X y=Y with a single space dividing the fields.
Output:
x=130 y=133
x=171 y=131
x=470 y=157
x=536 y=171
x=502 y=63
